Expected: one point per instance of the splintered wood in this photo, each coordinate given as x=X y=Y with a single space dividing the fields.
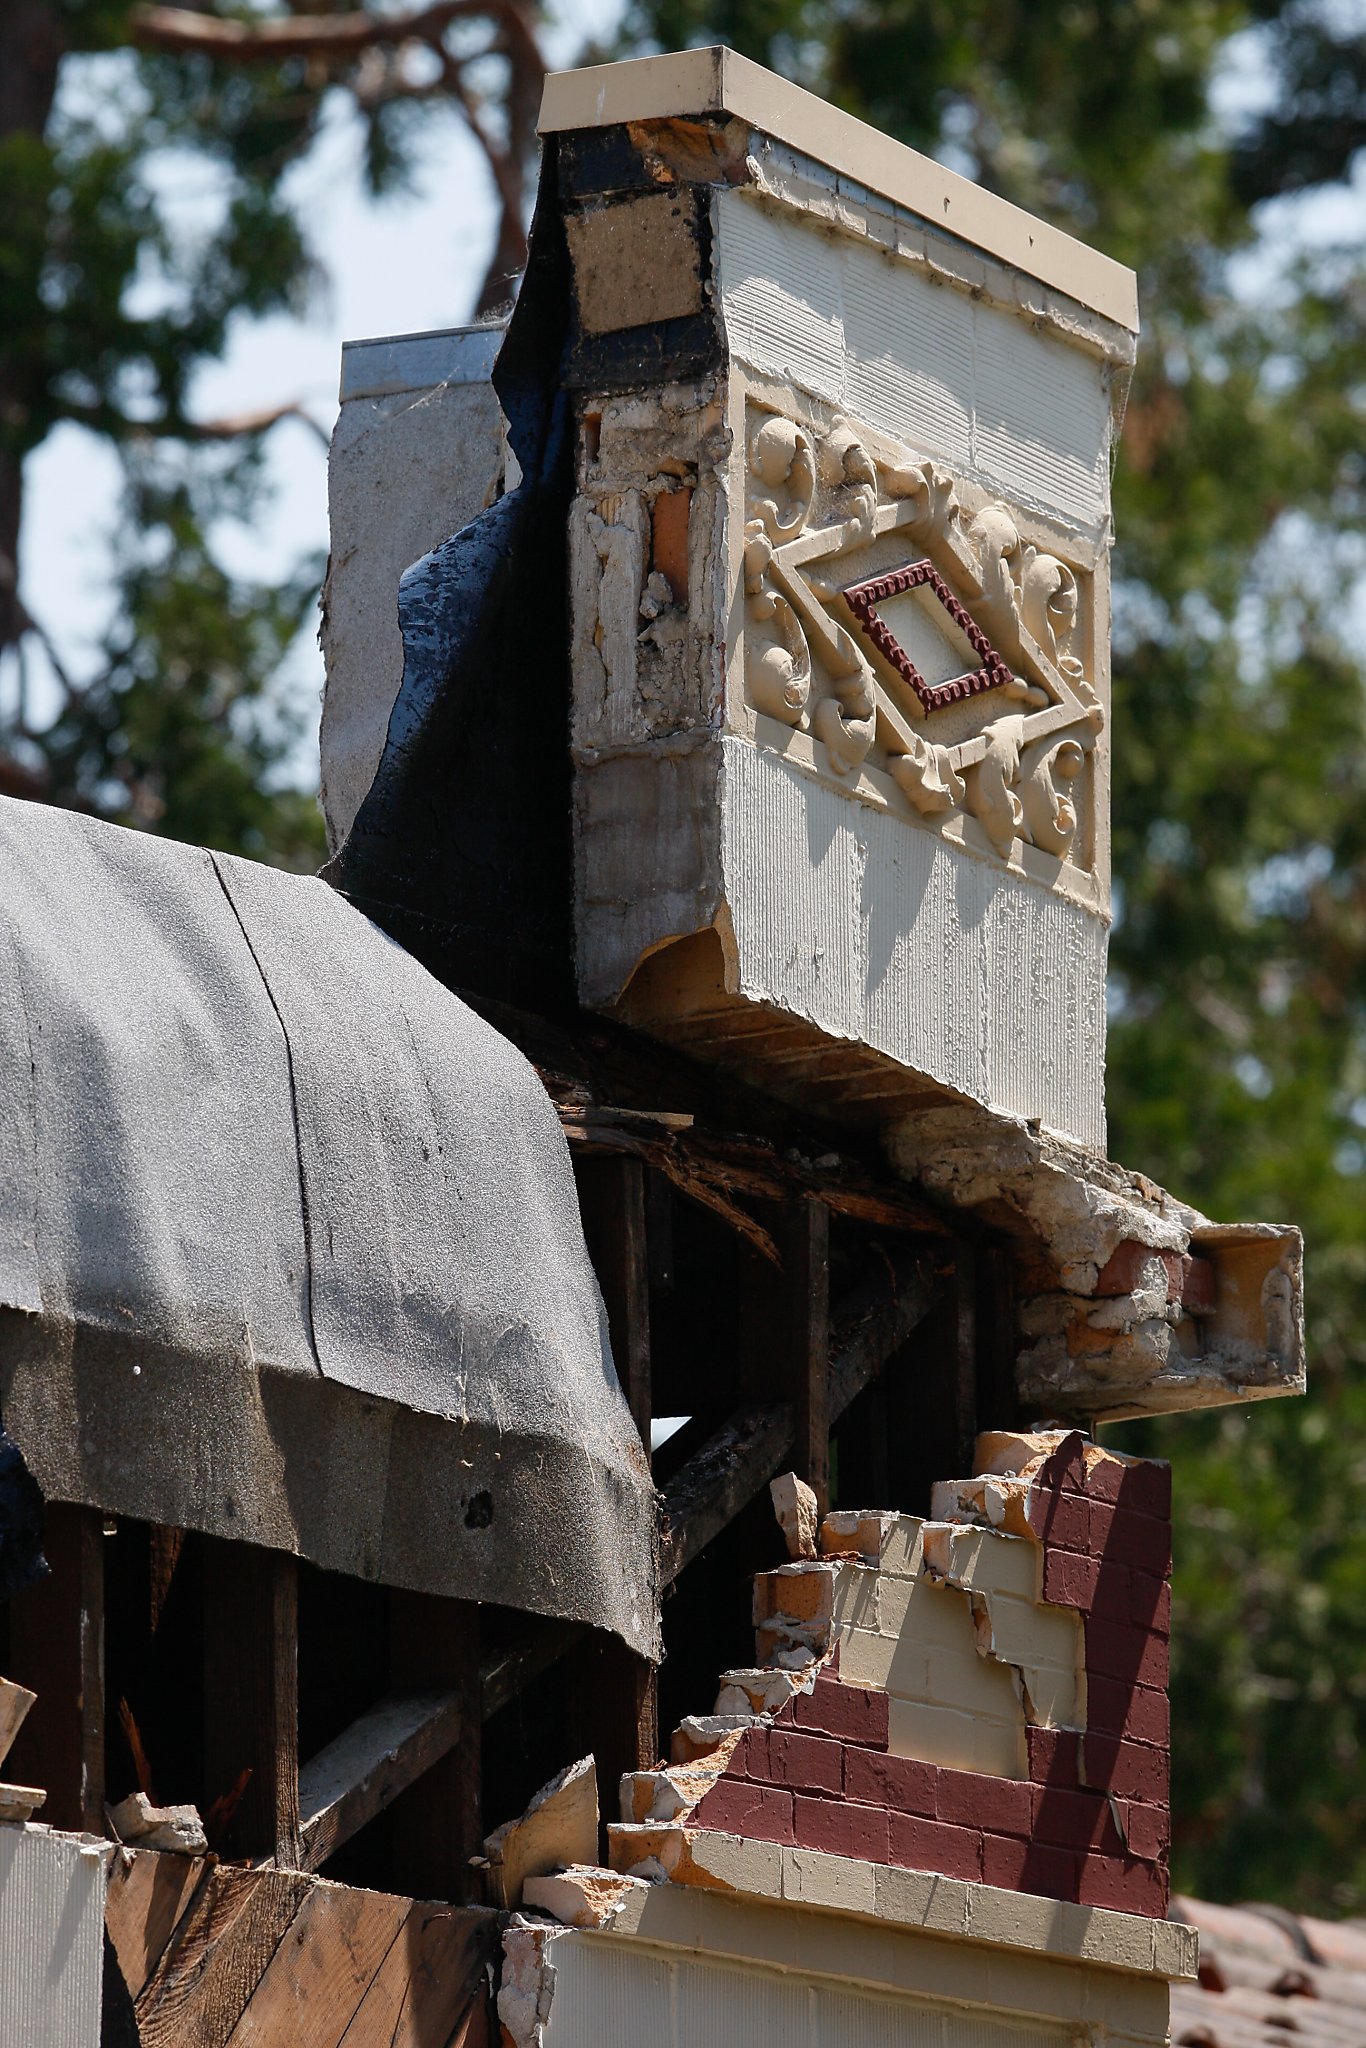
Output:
x=210 y=1955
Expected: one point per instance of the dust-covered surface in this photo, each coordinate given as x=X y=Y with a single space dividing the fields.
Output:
x=289 y=1243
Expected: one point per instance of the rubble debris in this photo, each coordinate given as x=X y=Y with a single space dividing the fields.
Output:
x=176 y=1830
x=558 y=1828
x=582 y=1896
x=527 y=1986
x=795 y=1506
x=20 y=1802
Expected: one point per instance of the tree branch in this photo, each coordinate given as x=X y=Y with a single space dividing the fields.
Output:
x=181 y=32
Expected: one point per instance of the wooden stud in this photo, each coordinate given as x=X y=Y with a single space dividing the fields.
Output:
x=56 y=1649
x=785 y=1331
x=612 y=1198
x=438 y=1823
x=370 y=1764
x=251 y=1695
x=998 y=1400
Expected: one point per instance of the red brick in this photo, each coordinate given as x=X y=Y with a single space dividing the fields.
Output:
x=899 y=1782
x=1146 y=1488
x=929 y=1845
x=1114 y=1597
x=1075 y=1820
x=1141 y=1712
x=808 y=1763
x=1119 y=1650
x=1063 y=1519
x=1066 y=1466
x=1028 y=1867
x=1124 y=1884
x=740 y=1807
x=1101 y=1540
x=1148 y=1829
x=853 y=1712
x=1199 y=1285
x=1131 y=1770
x=1150 y=1602
x=971 y=1800
x=1143 y=1542
x=842 y=1829
x=1054 y=1756
x=1069 y=1580
x=1123 y=1271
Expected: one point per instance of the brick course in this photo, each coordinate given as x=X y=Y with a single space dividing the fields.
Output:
x=822 y=1775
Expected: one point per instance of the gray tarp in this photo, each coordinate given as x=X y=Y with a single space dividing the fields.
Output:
x=289 y=1245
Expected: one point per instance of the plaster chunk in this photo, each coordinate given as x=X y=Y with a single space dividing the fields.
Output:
x=526 y=1987
x=560 y=1826
x=582 y=1896
x=174 y=1829
x=15 y=1701
x=795 y=1506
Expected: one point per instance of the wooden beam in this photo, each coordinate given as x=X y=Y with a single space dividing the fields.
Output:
x=438 y=1821
x=251 y=1695
x=612 y=1199
x=360 y=1773
x=753 y=1445
x=807 y=1264
x=56 y=1649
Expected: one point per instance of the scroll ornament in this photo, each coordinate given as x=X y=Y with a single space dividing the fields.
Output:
x=815 y=501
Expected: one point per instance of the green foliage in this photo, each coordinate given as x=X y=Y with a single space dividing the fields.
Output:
x=1237 y=1055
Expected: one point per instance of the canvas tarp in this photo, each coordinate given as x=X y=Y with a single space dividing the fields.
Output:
x=289 y=1244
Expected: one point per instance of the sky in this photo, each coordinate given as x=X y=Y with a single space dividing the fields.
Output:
x=400 y=266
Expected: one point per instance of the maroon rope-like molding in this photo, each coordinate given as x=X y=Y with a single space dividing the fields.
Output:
x=863 y=600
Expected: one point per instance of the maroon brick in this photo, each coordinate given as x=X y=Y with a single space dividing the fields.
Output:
x=1199 y=1285
x=918 y=1844
x=840 y=1828
x=1029 y=1867
x=1150 y=1717
x=901 y=1783
x=740 y=1807
x=1125 y=1884
x=1119 y=1650
x=853 y=1712
x=1143 y=1542
x=1054 y=1756
x=1066 y=1466
x=1146 y=1488
x=1150 y=1602
x=1101 y=1541
x=1069 y=1580
x=969 y=1799
x=807 y=1763
x=1149 y=1830
x=1141 y=1712
x=1075 y=1820
x=1131 y=1770
x=1114 y=1598
x=1063 y=1519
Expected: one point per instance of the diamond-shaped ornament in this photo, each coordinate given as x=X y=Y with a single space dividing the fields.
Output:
x=864 y=599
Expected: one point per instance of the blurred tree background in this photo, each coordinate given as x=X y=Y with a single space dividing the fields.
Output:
x=1186 y=137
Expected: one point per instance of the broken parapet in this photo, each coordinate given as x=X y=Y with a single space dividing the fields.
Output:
x=417 y=451
x=1129 y=1302
x=981 y=1695
x=840 y=595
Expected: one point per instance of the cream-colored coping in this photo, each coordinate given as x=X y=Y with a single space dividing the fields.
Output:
x=949 y=1907
x=720 y=81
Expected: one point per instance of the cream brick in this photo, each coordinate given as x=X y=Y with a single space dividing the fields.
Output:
x=856 y=1597
x=733 y=1863
x=976 y=1685
x=849 y=1532
x=838 y=1882
x=866 y=1659
x=962 y=1742
x=901 y=1548
x=1053 y=1699
x=989 y=1562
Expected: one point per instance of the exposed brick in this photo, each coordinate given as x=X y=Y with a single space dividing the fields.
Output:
x=1143 y=1542
x=1119 y=1650
x=1141 y=1712
x=902 y=1783
x=808 y=1763
x=841 y=1828
x=1131 y=1770
x=1075 y=1820
x=1029 y=1867
x=1149 y=1830
x=1066 y=1466
x=1199 y=1285
x=1101 y=1536
x=1063 y=1519
x=1069 y=1580
x=1146 y=1489
x=856 y=1713
x=1124 y=1884
x=930 y=1845
x=971 y=1800
x=1054 y=1756
x=1113 y=1599
x=1150 y=1602
x=1123 y=1271
x=741 y=1807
